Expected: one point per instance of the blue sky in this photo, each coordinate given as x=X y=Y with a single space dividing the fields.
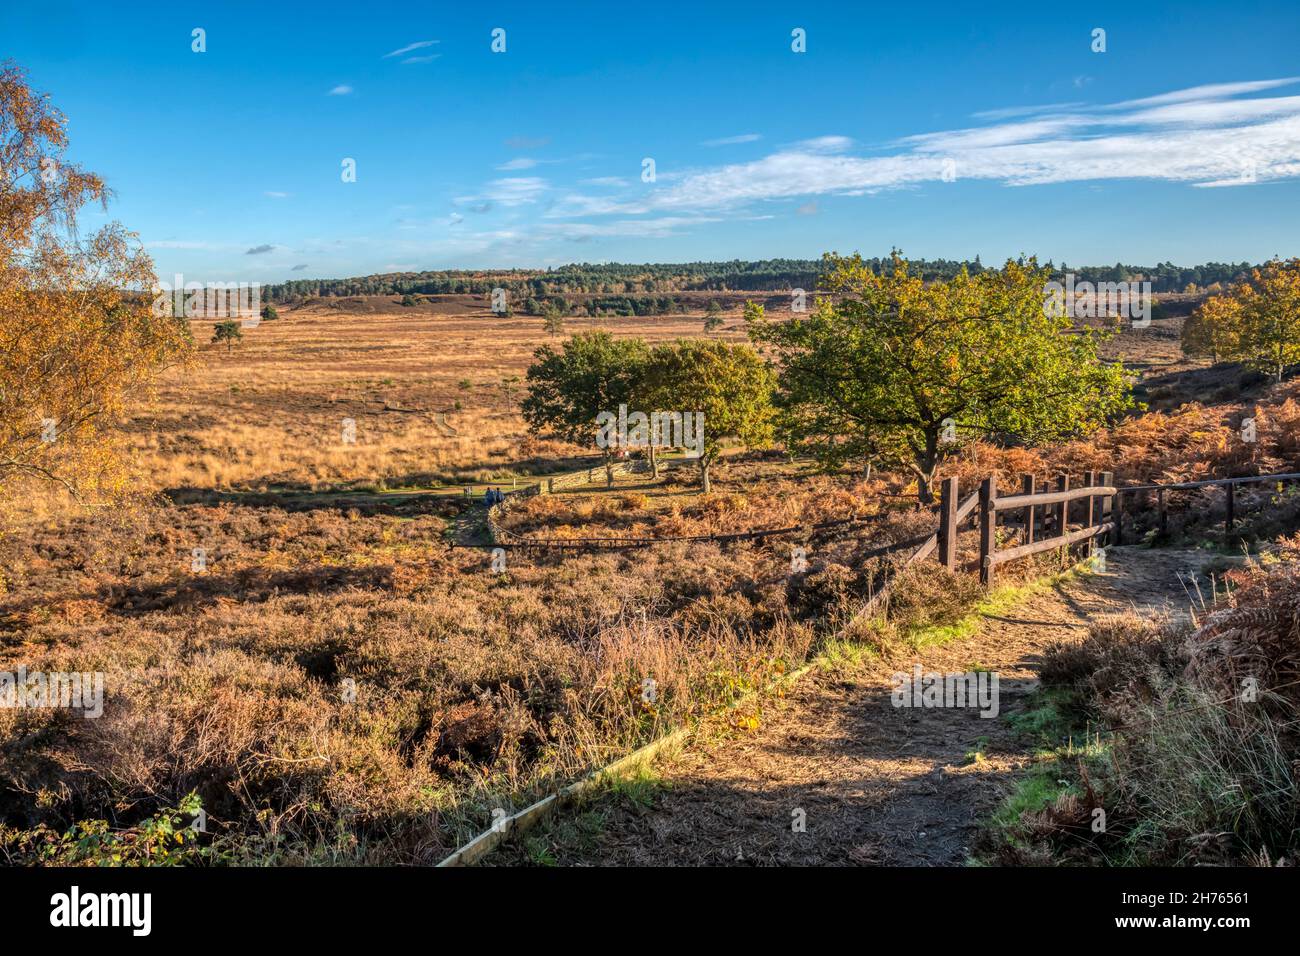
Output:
x=944 y=129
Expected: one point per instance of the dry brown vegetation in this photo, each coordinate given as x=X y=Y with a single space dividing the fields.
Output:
x=434 y=397
x=472 y=690
x=1189 y=747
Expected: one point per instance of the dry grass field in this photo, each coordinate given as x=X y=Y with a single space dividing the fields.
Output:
x=337 y=684
x=433 y=393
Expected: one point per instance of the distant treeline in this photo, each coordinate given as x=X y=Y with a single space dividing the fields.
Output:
x=643 y=289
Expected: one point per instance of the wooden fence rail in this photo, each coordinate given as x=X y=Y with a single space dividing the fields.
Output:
x=1096 y=495
x=1050 y=516
x=1162 y=498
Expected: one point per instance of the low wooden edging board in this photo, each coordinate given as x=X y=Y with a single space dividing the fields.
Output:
x=535 y=813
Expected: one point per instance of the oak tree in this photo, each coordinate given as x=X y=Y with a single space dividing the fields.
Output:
x=892 y=369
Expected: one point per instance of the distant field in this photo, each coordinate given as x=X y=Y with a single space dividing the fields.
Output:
x=270 y=411
x=473 y=690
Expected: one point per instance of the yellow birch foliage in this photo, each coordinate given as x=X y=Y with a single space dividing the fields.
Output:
x=78 y=334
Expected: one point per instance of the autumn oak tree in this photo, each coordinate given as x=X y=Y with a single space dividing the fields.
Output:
x=729 y=384
x=78 y=334
x=1256 y=322
x=592 y=372
x=892 y=369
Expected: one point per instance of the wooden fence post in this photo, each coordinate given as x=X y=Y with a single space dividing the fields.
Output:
x=1231 y=506
x=1117 y=516
x=1027 y=488
x=948 y=525
x=1090 y=510
x=1164 y=511
x=1063 y=509
x=1108 y=503
x=988 y=525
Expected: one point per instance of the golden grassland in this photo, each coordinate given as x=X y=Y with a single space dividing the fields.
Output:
x=338 y=684
x=434 y=398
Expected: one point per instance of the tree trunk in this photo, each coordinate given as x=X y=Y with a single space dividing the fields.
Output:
x=925 y=489
x=704 y=474
x=654 y=461
x=926 y=463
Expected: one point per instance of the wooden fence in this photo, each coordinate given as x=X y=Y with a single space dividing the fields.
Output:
x=1229 y=485
x=1062 y=516
x=1040 y=511
x=1044 y=516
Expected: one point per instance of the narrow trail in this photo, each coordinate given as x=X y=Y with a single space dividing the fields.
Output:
x=877 y=784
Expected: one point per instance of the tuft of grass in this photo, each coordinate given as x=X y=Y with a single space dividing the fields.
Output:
x=997 y=601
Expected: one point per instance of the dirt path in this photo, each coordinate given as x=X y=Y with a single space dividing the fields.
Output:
x=876 y=784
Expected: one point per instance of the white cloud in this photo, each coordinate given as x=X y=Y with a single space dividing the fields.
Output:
x=520 y=162
x=825 y=144
x=732 y=140
x=509 y=191
x=1204 y=136
x=1212 y=91
x=274 y=194
x=341 y=90
x=1010 y=112
x=410 y=47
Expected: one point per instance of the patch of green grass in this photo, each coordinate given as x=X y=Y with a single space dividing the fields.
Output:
x=1040 y=787
x=998 y=601
x=1054 y=720
x=638 y=789
x=1051 y=716
x=840 y=655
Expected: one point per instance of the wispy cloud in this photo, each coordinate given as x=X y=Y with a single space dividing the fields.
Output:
x=260 y=250
x=1207 y=136
x=509 y=191
x=732 y=140
x=341 y=90
x=411 y=47
x=275 y=194
x=519 y=162
x=1011 y=112
x=1211 y=91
